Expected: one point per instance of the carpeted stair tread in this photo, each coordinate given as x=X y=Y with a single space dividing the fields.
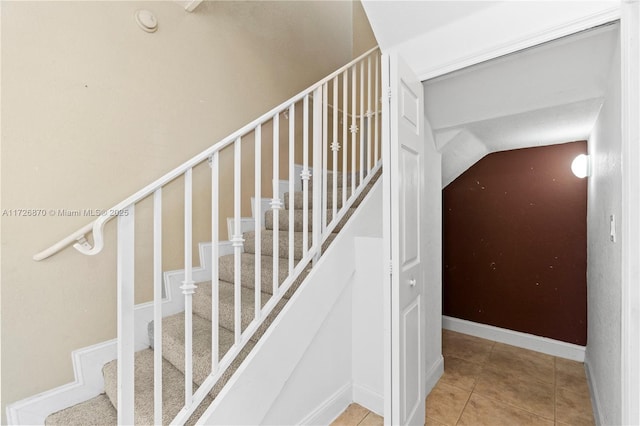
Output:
x=283 y=217
x=226 y=292
x=298 y=199
x=226 y=270
x=96 y=411
x=173 y=347
x=172 y=388
x=266 y=240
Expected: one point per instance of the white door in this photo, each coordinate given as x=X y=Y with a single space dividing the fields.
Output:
x=404 y=144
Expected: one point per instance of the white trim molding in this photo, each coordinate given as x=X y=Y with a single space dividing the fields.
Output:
x=368 y=398
x=435 y=372
x=515 y=338
x=331 y=408
x=594 y=394
x=88 y=383
x=561 y=29
x=88 y=361
x=630 y=294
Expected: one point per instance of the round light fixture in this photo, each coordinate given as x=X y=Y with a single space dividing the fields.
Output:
x=580 y=166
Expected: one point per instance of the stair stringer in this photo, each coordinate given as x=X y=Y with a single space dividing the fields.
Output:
x=88 y=361
x=264 y=373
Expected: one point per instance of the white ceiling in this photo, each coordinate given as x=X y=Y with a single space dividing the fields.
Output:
x=547 y=94
x=541 y=96
x=397 y=21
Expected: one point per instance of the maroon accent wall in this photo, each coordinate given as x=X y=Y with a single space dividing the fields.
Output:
x=515 y=243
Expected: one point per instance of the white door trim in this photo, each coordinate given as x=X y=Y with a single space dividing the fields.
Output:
x=571 y=27
x=630 y=332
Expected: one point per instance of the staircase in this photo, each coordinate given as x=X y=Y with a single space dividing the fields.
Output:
x=190 y=355
x=101 y=410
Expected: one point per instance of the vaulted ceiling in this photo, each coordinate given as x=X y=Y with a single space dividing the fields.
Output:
x=547 y=94
x=544 y=95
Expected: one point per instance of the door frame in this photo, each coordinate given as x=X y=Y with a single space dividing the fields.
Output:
x=628 y=13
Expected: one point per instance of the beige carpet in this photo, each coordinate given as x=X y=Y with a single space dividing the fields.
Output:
x=101 y=410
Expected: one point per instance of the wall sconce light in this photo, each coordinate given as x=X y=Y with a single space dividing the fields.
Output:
x=581 y=166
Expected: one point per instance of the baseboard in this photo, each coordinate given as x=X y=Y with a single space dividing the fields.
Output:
x=433 y=375
x=331 y=408
x=515 y=338
x=88 y=383
x=368 y=398
x=88 y=362
x=593 y=391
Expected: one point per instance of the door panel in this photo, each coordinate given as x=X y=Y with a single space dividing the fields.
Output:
x=404 y=149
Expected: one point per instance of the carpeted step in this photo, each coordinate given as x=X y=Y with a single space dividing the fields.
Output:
x=248 y=261
x=96 y=411
x=266 y=240
x=226 y=317
x=173 y=348
x=340 y=179
x=283 y=217
x=172 y=388
x=298 y=199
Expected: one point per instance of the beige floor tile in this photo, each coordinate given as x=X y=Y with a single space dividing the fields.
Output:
x=372 y=419
x=522 y=362
x=570 y=375
x=428 y=421
x=460 y=373
x=573 y=408
x=483 y=411
x=445 y=403
x=463 y=346
x=526 y=393
x=352 y=416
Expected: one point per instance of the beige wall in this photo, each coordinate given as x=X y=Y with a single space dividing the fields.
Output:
x=93 y=109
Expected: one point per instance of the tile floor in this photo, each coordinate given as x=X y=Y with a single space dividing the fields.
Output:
x=490 y=383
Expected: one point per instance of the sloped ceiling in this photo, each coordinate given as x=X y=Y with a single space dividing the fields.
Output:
x=544 y=95
x=541 y=96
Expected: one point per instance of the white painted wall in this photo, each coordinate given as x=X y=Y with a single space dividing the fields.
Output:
x=367 y=344
x=604 y=257
x=432 y=250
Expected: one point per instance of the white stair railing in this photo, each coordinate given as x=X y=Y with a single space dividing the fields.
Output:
x=354 y=158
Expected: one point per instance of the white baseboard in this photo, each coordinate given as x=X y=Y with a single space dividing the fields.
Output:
x=515 y=338
x=433 y=375
x=88 y=362
x=331 y=408
x=595 y=395
x=368 y=398
x=88 y=383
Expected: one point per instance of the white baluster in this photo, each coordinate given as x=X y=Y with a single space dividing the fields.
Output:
x=305 y=175
x=276 y=204
x=237 y=240
x=126 y=320
x=258 y=222
x=215 y=254
x=292 y=172
x=369 y=116
x=335 y=147
x=353 y=129
x=362 y=114
x=157 y=306
x=345 y=138
x=325 y=154
x=188 y=288
x=317 y=177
